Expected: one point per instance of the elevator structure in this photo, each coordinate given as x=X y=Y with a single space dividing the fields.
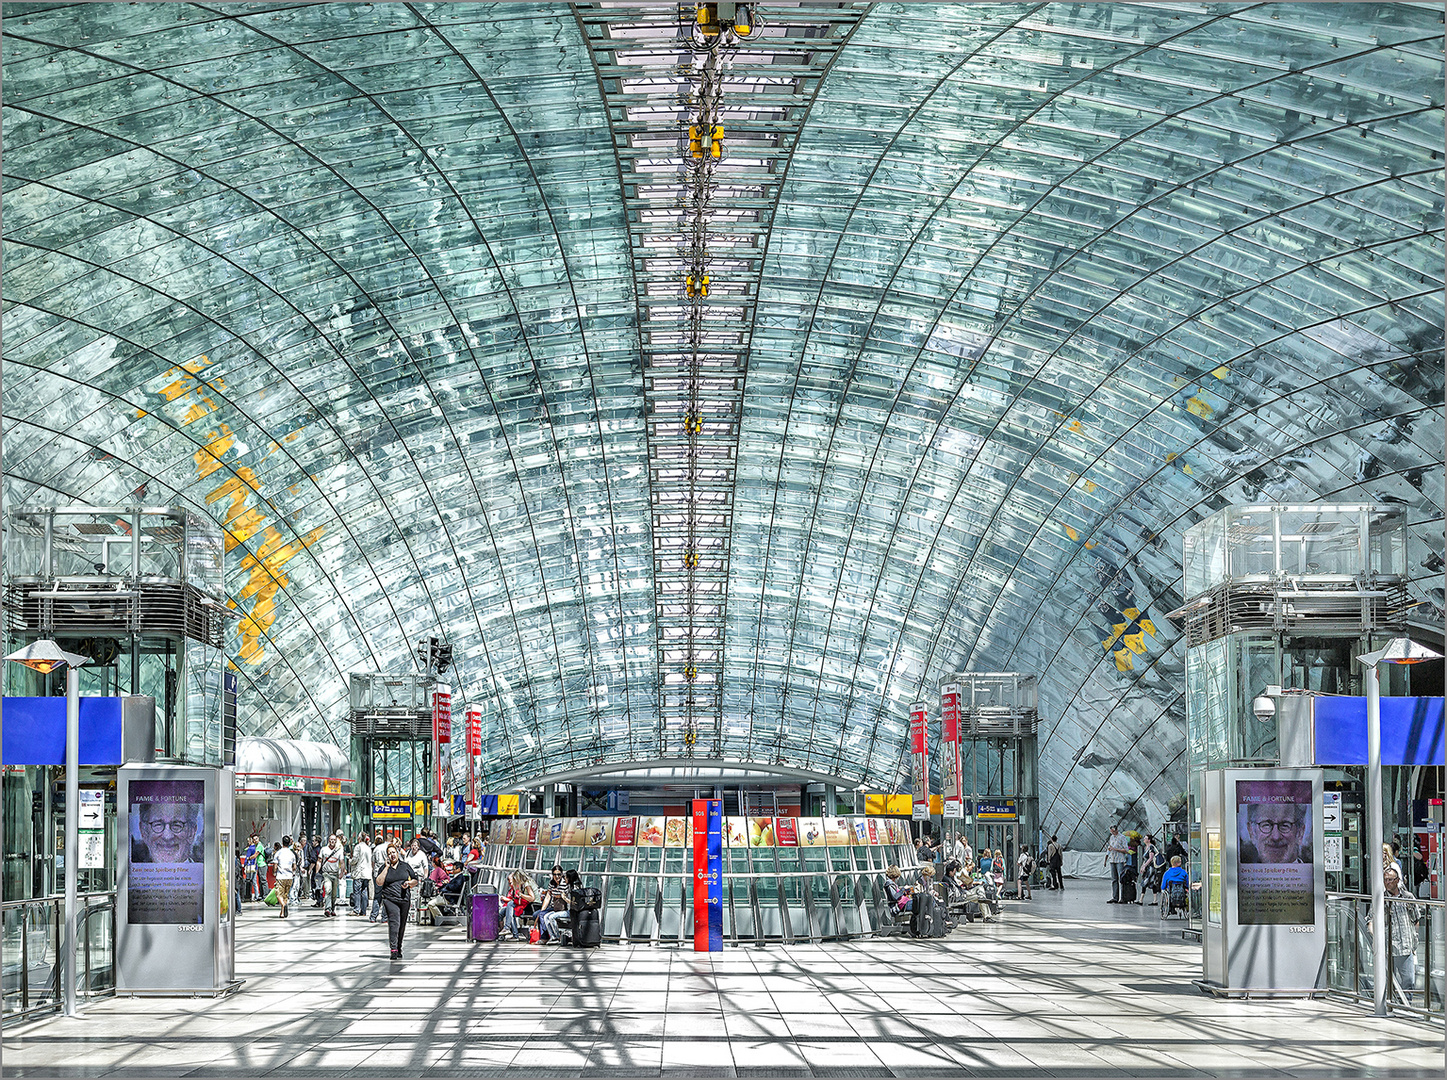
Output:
x=999 y=720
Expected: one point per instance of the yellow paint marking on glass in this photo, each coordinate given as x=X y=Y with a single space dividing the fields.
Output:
x=265 y=580
x=208 y=458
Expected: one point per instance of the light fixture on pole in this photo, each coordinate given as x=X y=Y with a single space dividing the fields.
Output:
x=46 y=656
x=1397 y=651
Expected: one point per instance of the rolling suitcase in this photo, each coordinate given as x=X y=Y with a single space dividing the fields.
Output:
x=588 y=931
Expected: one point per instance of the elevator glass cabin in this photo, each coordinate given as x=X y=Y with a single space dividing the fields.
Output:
x=1284 y=596
x=999 y=720
x=391 y=722
x=138 y=591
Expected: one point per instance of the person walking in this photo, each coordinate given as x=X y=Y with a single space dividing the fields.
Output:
x=249 y=869
x=1024 y=871
x=1402 y=917
x=1117 y=857
x=395 y=882
x=362 y=870
x=285 y=863
x=332 y=859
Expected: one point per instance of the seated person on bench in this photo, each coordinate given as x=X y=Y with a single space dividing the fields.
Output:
x=520 y=897
x=449 y=890
x=896 y=896
x=554 y=903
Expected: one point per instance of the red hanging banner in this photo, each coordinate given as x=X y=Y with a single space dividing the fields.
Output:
x=951 y=765
x=919 y=758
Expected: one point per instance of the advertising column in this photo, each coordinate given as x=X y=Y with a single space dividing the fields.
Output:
x=951 y=779
x=919 y=759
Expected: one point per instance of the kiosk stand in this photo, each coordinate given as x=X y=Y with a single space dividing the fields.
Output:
x=175 y=897
x=1263 y=882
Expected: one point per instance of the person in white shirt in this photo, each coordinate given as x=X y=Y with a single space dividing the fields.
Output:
x=285 y=862
x=961 y=852
x=361 y=870
x=418 y=861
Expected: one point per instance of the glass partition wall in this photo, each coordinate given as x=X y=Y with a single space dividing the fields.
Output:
x=827 y=885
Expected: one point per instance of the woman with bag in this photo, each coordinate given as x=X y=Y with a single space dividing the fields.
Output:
x=395 y=882
x=520 y=895
x=1153 y=862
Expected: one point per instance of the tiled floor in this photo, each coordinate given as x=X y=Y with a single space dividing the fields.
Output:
x=1064 y=986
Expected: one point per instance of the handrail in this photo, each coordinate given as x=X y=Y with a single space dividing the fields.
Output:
x=49 y=998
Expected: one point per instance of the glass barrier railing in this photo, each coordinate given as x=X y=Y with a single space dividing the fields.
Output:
x=30 y=963
x=1415 y=941
x=786 y=880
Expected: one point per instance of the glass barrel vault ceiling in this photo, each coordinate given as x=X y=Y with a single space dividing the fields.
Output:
x=1006 y=296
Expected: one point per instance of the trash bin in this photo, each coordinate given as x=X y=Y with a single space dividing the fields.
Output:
x=483 y=925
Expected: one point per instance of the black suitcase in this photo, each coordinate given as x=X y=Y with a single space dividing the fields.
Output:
x=588 y=931
x=1127 y=892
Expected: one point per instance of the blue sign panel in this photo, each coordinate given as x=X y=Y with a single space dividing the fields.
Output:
x=715 y=875
x=996 y=810
x=1411 y=730
x=35 y=731
x=488 y=805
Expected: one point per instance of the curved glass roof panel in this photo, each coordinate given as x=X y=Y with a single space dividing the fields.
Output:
x=1002 y=299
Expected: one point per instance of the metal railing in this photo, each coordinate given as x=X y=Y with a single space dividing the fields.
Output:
x=30 y=943
x=1416 y=967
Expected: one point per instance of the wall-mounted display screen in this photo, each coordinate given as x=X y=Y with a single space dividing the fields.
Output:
x=168 y=852
x=1275 y=881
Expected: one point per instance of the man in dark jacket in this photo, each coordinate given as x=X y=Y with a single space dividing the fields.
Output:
x=311 y=860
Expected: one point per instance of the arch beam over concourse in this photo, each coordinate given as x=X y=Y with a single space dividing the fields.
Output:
x=1003 y=298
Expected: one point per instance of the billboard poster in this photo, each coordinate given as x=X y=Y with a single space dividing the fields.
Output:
x=919 y=758
x=787 y=832
x=552 y=834
x=576 y=833
x=811 y=832
x=650 y=831
x=167 y=852
x=1275 y=834
x=533 y=826
x=600 y=832
x=736 y=831
x=873 y=831
x=761 y=832
x=837 y=832
x=625 y=833
x=951 y=763
x=675 y=832
x=224 y=877
x=861 y=832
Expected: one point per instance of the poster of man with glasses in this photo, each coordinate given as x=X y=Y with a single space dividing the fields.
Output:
x=168 y=851
x=1275 y=884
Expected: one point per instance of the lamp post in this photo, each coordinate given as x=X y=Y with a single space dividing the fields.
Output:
x=1397 y=651
x=46 y=656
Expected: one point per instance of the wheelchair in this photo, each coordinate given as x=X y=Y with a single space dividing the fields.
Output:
x=1174 y=899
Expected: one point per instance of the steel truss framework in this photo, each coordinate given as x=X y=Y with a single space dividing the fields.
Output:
x=1003 y=297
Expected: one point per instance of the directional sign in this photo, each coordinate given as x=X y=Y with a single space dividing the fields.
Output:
x=1331 y=817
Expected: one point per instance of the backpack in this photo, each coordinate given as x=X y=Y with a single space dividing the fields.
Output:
x=1029 y=864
